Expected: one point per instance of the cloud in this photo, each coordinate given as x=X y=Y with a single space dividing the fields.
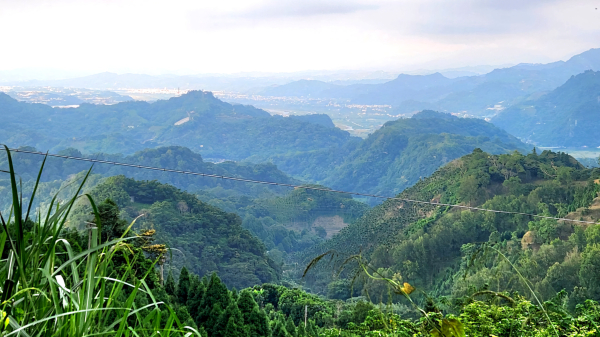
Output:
x=306 y=8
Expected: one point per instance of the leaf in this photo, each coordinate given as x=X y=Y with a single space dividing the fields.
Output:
x=450 y=328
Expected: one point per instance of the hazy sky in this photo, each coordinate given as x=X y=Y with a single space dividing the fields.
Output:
x=228 y=36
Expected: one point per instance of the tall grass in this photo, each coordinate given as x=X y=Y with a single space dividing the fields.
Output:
x=49 y=290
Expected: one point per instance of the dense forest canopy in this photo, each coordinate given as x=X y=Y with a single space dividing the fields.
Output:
x=197 y=120
x=399 y=154
x=438 y=249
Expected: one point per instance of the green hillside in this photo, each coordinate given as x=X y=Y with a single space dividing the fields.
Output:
x=453 y=252
x=204 y=238
x=399 y=154
x=196 y=120
x=566 y=116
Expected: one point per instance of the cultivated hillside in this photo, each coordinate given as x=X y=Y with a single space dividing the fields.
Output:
x=445 y=251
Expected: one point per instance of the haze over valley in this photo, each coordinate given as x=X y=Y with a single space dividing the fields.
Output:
x=300 y=169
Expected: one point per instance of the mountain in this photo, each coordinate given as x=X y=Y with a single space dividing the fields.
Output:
x=567 y=116
x=473 y=95
x=171 y=157
x=196 y=120
x=208 y=238
x=447 y=251
x=399 y=154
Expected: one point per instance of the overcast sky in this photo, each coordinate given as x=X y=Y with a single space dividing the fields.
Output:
x=227 y=36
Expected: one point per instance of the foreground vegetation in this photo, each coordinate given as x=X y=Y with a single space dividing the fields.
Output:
x=108 y=280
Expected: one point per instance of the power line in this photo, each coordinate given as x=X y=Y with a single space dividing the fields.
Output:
x=292 y=185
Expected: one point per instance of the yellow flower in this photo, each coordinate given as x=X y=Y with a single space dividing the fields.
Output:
x=407 y=288
x=6 y=319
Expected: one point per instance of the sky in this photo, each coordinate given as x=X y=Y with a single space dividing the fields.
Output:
x=231 y=36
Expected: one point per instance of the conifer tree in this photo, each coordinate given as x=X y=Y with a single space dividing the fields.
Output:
x=235 y=325
x=170 y=284
x=258 y=323
x=246 y=304
x=290 y=326
x=232 y=311
x=195 y=298
x=210 y=325
x=216 y=293
x=184 y=286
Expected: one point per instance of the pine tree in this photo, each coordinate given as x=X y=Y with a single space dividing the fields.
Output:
x=232 y=311
x=195 y=298
x=170 y=284
x=258 y=323
x=235 y=328
x=184 y=286
x=216 y=293
x=247 y=304
x=211 y=323
x=290 y=326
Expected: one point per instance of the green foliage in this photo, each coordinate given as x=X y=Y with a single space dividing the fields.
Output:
x=210 y=239
x=48 y=289
x=183 y=287
x=170 y=285
x=397 y=155
x=215 y=128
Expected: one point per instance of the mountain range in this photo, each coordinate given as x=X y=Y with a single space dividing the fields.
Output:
x=474 y=95
x=568 y=116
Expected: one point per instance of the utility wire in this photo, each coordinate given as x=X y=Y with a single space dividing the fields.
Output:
x=293 y=186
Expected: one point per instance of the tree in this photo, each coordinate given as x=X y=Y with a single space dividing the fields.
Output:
x=589 y=272
x=216 y=294
x=246 y=304
x=258 y=323
x=112 y=226
x=290 y=326
x=279 y=330
x=235 y=328
x=195 y=296
x=183 y=287
x=231 y=312
x=170 y=285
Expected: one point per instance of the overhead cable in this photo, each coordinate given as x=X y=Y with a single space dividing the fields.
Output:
x=253 y=181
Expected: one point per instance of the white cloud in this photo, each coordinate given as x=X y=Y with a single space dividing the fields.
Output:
x=270 y=35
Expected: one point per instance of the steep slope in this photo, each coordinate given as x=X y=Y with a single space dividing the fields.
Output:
x=197 y=120
x=567 y=116
x=399 y=154
x=206 y=239
x=445 y=251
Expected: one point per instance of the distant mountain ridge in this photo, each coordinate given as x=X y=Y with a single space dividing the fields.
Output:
x=567 y=116
x=474 y=95
x=196 y=120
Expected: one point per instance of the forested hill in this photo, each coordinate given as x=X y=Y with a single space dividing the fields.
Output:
x=204 y=238
x=567 y=116
x=171 y=157
x=442 y=250
x=196 y=120
x=400 y=153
